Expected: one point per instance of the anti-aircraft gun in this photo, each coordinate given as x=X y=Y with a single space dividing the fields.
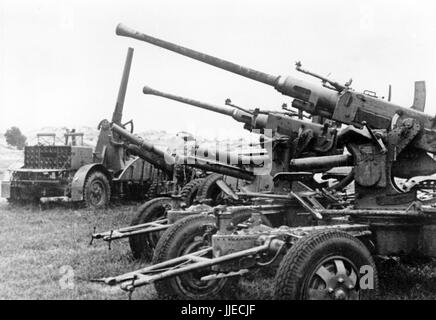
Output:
x=283 y=136
x=398 y=138
x=294 y=137
x=333 y=260
x=288 y=136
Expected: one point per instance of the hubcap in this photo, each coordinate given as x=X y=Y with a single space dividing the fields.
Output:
x=333 y=279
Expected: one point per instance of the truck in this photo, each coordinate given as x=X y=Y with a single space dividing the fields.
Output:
x=95 y=176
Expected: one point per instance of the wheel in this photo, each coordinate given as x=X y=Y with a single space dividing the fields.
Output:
x=188 y=235
x=210 y=190
x=142 y=245
x=326 y=265
x=97 y=190
x=190 y=190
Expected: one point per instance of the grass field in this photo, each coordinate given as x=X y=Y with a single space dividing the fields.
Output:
x=39 y=250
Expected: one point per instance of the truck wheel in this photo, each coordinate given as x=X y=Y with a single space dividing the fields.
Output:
x=210 y=190
x=326 y=265
x=97 y=191
x=190 y=190
x=142 y=245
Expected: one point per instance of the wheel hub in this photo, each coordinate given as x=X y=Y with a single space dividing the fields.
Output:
x=96 y=192
x=340 y=294
x=193 y=279
x=334 y=279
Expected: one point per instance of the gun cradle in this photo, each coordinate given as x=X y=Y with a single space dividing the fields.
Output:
x=355 y=108
x=376 y=167
x=324 y=138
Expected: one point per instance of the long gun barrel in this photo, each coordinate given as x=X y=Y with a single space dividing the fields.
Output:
x=344 y=106
x=231 y=157
x=215 y=166
x=279 y=123
x=166 y=161
x=238 y=115
x=326 y=162
x=286 y=85
x=118 y=112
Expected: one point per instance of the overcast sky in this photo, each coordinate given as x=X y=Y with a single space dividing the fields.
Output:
x=61 y=62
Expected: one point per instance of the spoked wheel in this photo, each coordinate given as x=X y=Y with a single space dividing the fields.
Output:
x=191 y=282
x=334 y=278
x=97 y=190
x=327 y=265
x=143 y=245
x=187 y=235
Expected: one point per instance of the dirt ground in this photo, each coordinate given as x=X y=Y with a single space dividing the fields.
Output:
x=45 y=254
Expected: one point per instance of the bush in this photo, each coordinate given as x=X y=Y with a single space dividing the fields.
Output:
x=15 y=138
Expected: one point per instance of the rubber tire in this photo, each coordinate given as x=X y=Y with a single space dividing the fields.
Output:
x=171 y=245
x=208 y=189
x=93 y=176
x=190 y=191
x=140 y=245
x=175 y=238
x=309 y=251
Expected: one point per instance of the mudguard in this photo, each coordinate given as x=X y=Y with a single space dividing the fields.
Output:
x=79 y=179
